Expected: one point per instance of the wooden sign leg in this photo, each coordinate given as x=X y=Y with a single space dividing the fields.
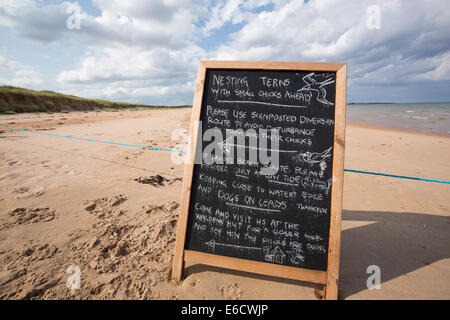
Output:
x=331 y=287
x=177 y=269
x=330 y=291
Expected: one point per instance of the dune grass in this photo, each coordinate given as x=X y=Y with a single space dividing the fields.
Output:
x=17 y=100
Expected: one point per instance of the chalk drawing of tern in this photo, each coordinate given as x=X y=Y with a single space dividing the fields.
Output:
x=313 y=85
x=315 y=157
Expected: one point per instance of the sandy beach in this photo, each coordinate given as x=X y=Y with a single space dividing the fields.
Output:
x=112 y=211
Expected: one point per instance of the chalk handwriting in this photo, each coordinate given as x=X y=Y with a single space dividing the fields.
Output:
x=244 y=207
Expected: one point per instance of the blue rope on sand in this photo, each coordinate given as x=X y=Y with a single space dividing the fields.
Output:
x=395 y=176
x=180 y=151
x=93 y=140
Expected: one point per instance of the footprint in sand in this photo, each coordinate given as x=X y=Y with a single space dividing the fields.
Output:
x=194 y=283
x=25 y=192
x=40 y=252
x=21 y=216
x=231 y=291
x=170 y=206
x=106 y=207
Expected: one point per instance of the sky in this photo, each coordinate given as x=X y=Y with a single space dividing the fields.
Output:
x=147 y=51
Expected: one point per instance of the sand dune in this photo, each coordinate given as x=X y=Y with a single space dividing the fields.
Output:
x=112 y=211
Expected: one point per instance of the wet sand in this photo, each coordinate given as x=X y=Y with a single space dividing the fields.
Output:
x=112 y=211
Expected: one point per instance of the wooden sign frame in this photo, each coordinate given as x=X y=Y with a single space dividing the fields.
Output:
x=328 y=278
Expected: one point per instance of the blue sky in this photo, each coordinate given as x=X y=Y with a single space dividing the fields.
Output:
x=148 y=51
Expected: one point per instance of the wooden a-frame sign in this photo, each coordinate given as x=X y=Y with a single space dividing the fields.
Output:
x=328 y=278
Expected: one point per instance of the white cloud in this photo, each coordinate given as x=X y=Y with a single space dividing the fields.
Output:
x=7 y=63
x=330 y=30
x=441 y=71
x=11 y=8
x=161 y=74
x=144 y=24
x=19 y=75
x=222 y=12
x=122 y=64
x=25 y=78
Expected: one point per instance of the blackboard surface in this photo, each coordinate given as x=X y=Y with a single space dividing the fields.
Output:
x=282 y=218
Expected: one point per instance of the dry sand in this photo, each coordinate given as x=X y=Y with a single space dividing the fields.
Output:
x=112 y=211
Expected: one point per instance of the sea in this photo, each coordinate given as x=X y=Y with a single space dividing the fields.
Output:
x=429 y=118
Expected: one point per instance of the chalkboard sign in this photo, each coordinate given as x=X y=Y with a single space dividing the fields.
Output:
x=263 y=192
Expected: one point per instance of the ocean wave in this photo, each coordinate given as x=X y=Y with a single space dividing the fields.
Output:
x=417 y=118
